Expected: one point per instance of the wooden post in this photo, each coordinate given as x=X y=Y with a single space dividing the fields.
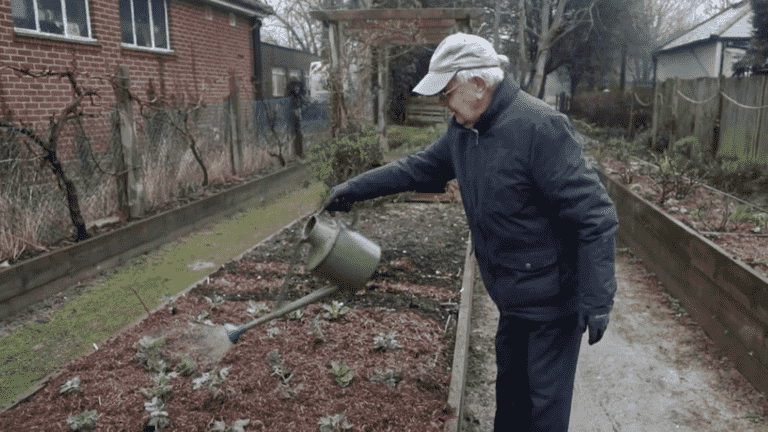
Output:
x=383 y=76
x=760 y=118
x=655 y=118
x=235 y=125
x=631 y=125
x=675 y=99
x=131 y=160
x=336 y=78
x=718 y=118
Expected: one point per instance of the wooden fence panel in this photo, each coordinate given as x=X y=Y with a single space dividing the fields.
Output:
x=706 y=113
x=738 y=125
x=686 y=110
x=762 y=141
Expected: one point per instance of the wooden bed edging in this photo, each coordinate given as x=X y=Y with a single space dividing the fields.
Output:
x=28 y=282
x=461 y=350
x=726 y=297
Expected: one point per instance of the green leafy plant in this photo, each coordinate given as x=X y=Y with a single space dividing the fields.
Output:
x=335 y=311
x=354 y=151
x=278 y=368
x=334 y=423
x=316 y=328
x=161 y=384
x=389 y=377
x=71 y=386
x=761 y=222
x=386 y=341
x=213 y=381
x=296 y=315
x=342 y=374
x=158 y=416
x=186 y=367
x=254 y=308
x=83 y=422
x=273 y=331
x=238 y=426
x=149 y=354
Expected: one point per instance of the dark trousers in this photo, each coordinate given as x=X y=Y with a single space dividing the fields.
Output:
x=537 y=366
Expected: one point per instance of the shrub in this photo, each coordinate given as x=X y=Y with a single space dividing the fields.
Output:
x=352 y=152
x=607 y=109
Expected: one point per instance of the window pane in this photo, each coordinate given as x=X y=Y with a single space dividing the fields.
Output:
x=278 y=82
x=126 y=24
x=23 y=15
x=49 y=12
x=158 y=21
x=77 y=22
x=141 y=16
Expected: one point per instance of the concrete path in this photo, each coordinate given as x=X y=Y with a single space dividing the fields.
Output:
x=645 y=375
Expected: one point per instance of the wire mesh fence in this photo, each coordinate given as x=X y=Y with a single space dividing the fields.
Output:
x=179 y=148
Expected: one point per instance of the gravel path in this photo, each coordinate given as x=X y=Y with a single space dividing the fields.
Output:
x=654 y=370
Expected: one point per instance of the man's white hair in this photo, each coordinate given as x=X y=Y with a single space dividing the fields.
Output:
x=492 y=76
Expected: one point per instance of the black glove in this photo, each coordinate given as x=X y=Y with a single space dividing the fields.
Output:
x=597 y=324
x=341 y=198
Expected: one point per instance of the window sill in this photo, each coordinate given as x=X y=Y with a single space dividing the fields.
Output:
x=148 y=50
x=25 y=33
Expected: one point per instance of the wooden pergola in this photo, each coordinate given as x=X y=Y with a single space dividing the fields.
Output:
x=383 y=28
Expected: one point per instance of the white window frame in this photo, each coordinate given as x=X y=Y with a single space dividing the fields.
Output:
x=278 y=88
x=37 y=32
x=151 y=26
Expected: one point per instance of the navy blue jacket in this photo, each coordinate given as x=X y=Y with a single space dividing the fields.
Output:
x=542 y=223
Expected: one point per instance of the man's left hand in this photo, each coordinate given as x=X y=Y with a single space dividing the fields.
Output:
x=597 y=325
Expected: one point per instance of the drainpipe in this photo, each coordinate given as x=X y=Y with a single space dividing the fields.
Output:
x=721 y=46
x=258 y=77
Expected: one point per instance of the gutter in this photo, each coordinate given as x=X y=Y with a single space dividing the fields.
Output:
x=247 y=11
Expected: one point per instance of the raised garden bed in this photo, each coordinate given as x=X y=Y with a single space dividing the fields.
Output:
x=400 y=331
x=722 y=284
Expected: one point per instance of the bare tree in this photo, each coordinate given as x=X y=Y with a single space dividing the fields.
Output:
x=49 y=146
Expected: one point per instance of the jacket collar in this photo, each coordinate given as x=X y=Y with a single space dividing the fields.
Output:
x=503 y=96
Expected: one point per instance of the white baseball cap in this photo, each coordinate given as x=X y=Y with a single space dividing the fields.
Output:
x=457 y=52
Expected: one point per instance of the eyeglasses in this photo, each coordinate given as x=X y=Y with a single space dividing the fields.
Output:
x=444 y=95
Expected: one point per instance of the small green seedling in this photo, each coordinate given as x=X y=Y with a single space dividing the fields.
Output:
x=83 y=422
x=761 y=222
x=215 y=300
x=342 y=374
x=254 y=308
x=278 y=368
x=389 y=377
x=158 y=416
x=334 y=423
x=149 y=355
x=186 y=367
x=238 y=426
x=335 y=311
x=316 y=328
x=273 y=331
x=296 y=315
x=161 y=385
x=72 y=386
x=385 y=342
x=211 y=381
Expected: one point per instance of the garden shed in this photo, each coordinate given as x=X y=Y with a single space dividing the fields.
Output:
x=709 y=49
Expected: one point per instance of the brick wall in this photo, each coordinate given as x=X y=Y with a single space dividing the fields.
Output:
x=206 y=48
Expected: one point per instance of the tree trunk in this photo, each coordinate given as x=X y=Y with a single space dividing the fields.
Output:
x=543 y=50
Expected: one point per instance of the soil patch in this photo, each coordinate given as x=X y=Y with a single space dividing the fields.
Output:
x=734 y=226
x=397 y=339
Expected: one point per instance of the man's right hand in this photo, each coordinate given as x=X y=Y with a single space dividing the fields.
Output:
x=341 y=199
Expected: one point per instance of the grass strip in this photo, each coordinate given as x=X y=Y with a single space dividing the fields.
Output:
x=109 y=303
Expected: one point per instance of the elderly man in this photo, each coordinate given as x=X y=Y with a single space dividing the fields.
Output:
x=542 y=224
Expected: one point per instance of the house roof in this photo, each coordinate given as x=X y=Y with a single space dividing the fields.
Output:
x=732 y=23
x=248 y=7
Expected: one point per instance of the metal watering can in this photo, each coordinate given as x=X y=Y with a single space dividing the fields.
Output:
x=337 y=253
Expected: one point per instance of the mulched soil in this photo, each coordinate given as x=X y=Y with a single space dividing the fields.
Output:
x=703 y=210
x=414 y=292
